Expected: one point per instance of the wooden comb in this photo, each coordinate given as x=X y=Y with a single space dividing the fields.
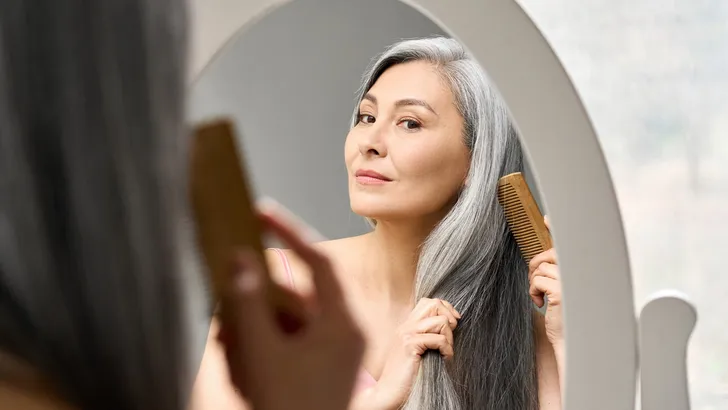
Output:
x=523 y=216
x=222 y=206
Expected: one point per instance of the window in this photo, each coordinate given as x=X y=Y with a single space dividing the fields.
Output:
x=653 y=75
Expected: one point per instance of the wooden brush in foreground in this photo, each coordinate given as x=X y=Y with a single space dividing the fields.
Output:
x=523 y=216
x=222 y=205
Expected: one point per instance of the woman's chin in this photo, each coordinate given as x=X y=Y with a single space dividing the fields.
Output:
x=394 y=210
x=375 y=212
x=385 y=214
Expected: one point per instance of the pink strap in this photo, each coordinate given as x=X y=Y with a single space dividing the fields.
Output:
x=365 y=379
x=286 y=266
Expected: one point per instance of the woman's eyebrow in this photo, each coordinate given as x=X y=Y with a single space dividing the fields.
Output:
x=370 y=97
x=403 y=102
x=413 y=101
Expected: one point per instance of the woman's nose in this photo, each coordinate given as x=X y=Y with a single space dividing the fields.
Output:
x=373 y=143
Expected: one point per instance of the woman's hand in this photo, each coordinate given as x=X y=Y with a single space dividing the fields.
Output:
x=313 y=369
x=544 y=277
x=545 y=280
x=429 y=327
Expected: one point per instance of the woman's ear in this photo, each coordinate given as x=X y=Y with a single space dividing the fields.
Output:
x=462 y=188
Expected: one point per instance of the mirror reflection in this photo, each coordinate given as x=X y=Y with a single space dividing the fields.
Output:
x=391 y=142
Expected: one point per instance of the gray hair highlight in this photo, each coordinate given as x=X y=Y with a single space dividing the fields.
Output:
x=91 y=116
x=471 y=259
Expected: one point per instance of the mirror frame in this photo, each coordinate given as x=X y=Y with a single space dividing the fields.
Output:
x=568 y=165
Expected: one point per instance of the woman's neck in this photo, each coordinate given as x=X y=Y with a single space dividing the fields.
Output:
x=390 y=256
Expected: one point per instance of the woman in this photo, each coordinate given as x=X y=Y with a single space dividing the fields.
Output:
x=92 y=300
x=439 y=285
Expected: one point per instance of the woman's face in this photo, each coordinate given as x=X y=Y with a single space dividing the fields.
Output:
x=406 y=156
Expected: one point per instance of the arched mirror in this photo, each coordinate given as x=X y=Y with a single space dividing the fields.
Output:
x=288 y=74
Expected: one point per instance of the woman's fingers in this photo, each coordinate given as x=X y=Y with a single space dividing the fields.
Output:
x=436 y=325
x=542 y=285
x=433 y=307
x=544 y=279
x=452 y=308
x=246 y=311
x=439 y=308
x=246 y=303
x=548 y=270
x=270 y=205
x=548 y=256
x=421 y=342
x=536 y=292
x=329 y=295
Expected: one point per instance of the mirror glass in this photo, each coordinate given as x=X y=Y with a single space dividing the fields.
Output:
x=290 y=84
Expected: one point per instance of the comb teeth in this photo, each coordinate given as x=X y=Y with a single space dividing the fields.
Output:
x=521 y=213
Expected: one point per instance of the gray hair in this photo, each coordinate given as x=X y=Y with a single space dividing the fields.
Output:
x=471 y=259
x=91 y=115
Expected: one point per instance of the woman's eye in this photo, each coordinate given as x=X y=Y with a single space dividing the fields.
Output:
x=410 y=124
x=366 y=118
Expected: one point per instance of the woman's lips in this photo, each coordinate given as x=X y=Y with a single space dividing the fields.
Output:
x=369 y=177
x=370 y=181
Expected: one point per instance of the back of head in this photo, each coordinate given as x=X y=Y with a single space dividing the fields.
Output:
x=90 y=125
x=471 y=259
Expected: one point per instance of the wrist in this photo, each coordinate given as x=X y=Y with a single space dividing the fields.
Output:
x=560 y=356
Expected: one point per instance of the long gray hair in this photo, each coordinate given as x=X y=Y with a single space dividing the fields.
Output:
x=91 y=115
x=471 y=259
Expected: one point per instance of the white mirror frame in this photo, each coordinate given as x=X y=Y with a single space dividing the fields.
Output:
x=569 y=167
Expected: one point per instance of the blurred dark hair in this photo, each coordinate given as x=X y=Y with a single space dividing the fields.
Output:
x=91 y=115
